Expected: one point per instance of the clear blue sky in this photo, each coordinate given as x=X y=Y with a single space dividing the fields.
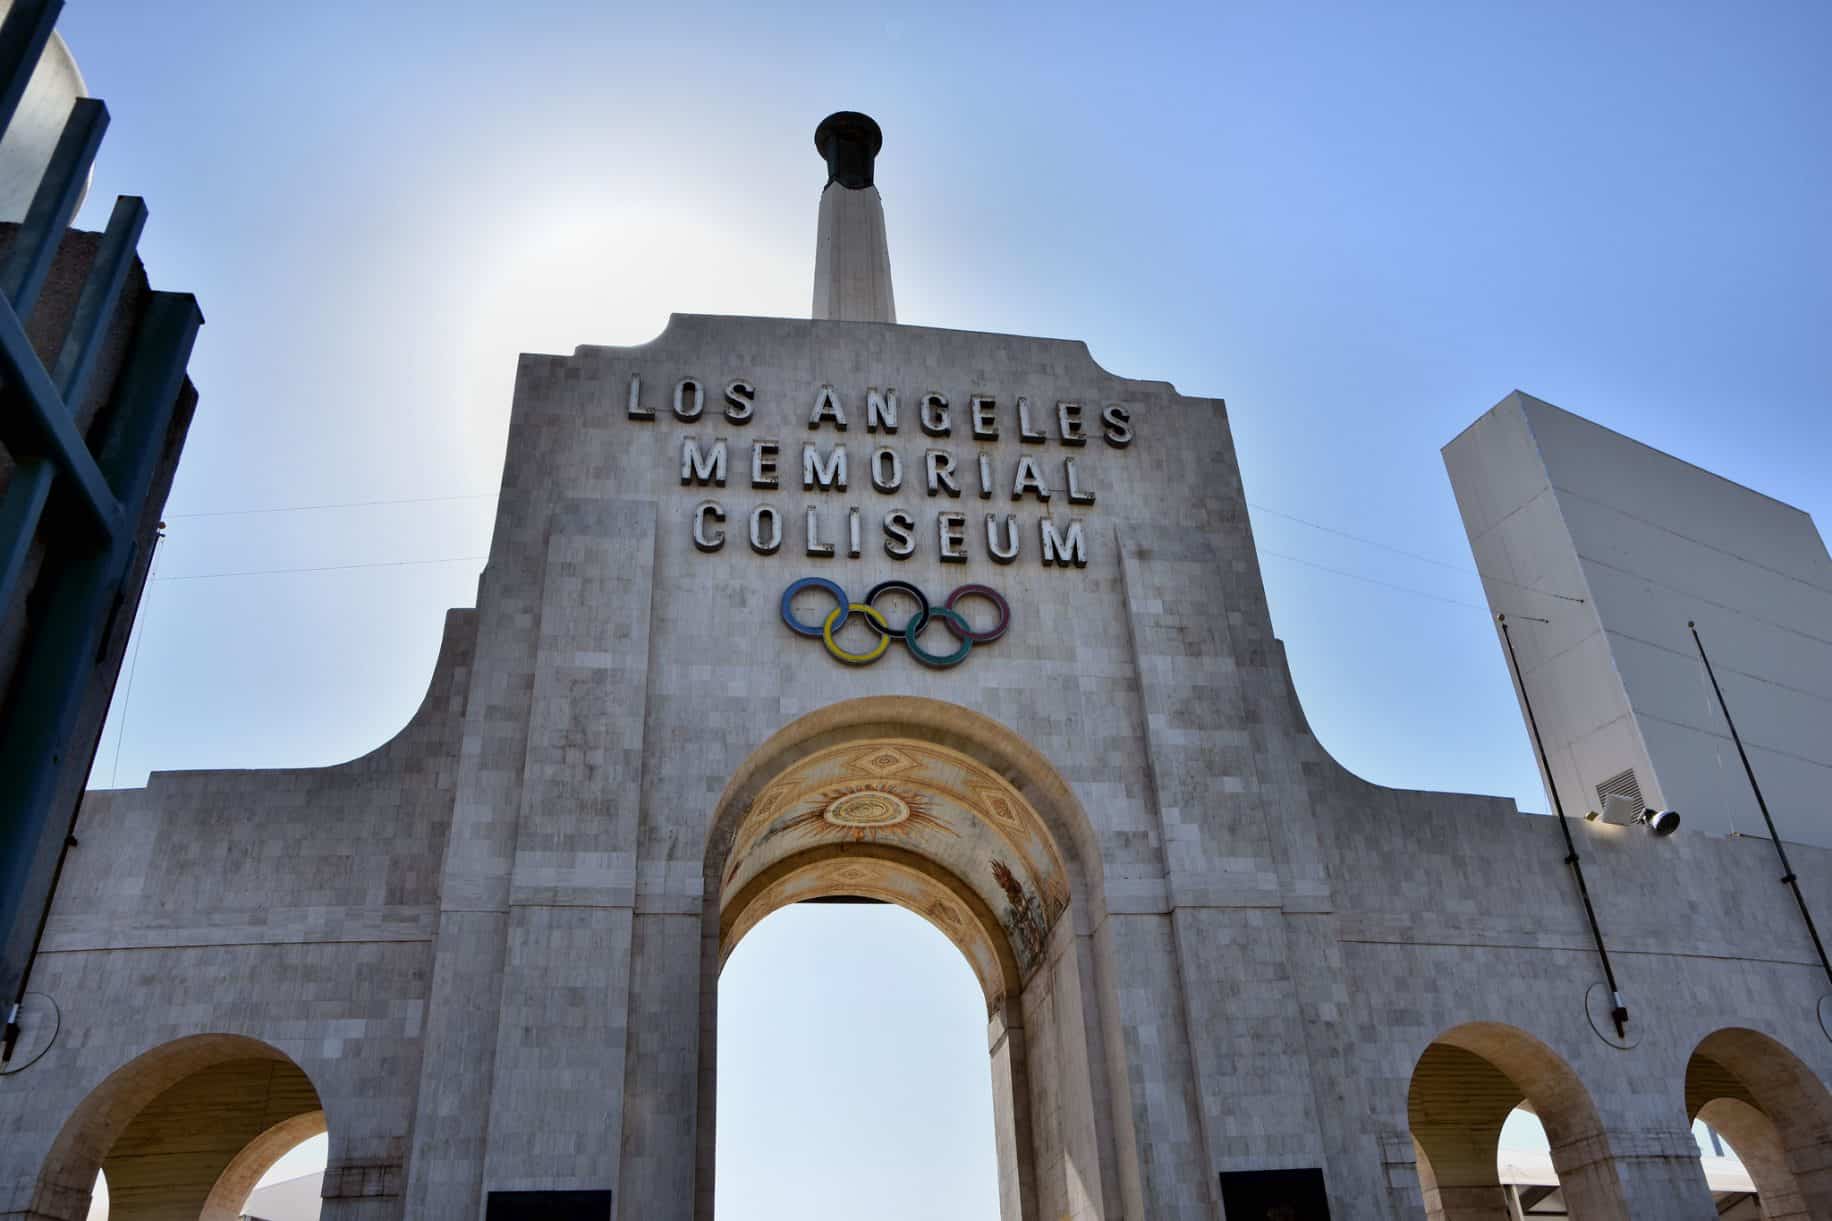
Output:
x=1360 y=224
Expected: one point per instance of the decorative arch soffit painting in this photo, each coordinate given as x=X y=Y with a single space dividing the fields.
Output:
x=959 y=846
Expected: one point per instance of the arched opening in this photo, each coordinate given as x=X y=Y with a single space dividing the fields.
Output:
x=1524 y=1163
x=1531 y=1184
x=853 y=1076
x=1773 y=1112
x=1465 y=1087
x=185 y=1130
x=233 y=1187
x=946 y=814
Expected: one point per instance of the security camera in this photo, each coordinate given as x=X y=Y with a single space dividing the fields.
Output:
x=1661 y=822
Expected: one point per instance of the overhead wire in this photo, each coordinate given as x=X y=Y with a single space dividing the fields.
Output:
x=270 y=572
x=1426 y=559
x=141 y=619
x=346 y=504
x=1255 y=505
x=1356 y=576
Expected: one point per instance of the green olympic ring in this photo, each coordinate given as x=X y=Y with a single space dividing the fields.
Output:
x=909 y=632
x=957 y=623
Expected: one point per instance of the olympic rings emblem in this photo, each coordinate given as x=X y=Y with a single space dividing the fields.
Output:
x=948 y=614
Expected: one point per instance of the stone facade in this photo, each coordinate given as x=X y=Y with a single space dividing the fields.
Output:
x=492 y=946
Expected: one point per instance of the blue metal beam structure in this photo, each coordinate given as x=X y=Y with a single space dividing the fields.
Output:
x=81 y=502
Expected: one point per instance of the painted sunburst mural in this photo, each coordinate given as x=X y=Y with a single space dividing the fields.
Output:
x=860 y=812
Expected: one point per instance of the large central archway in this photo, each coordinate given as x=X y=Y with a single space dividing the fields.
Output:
x=950 y=815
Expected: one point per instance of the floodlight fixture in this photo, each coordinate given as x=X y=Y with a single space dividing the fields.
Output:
x=1621 y=811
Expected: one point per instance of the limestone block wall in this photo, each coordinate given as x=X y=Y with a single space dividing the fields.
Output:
x=493 y=945
x=280 y=913
x=719 y=677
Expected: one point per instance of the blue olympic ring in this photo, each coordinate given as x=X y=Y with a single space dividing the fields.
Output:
x=948 y=613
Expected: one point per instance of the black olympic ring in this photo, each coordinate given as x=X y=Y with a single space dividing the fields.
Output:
x=948 y=613
x=919 y=620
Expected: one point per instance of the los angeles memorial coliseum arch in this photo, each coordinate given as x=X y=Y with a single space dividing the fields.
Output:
x=1223 y=976
x=937 y=809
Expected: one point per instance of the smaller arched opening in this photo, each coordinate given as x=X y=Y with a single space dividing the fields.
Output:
x=184 y=1130
x=1774 y=1113
x=1464 y=1089
x=246 y=1169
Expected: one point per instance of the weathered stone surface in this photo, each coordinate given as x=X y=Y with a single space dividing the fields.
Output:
x=492 y=946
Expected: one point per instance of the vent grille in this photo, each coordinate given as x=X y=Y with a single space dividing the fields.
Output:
x=1623 y=785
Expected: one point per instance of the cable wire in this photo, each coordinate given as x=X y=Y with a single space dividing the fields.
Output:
x=144 y=617
x=1355 y=576
x=269 y=572
x=346 y=504
x=1414 y=555
x=1340 y=572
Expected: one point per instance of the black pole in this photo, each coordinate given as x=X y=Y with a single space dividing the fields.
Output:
x=1787 y=870
x=1619 y=1011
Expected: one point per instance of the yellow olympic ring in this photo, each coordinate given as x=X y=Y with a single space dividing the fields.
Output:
x=856 y=659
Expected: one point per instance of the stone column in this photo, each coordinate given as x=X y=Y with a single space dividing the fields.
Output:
x=1810 y=1166
x=1634 y=1174
x=1757 y=1144
x=1011 y=1114
x=1458 y=1176
x=555 y=1112
x=852 y=261
x=369 y=1191
x=1071 y=1120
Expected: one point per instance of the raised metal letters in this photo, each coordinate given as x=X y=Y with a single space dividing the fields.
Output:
x=1064 y=548
x=827 y=473
x=938 y=465
x=951 y=535
x=880 y=410
x=740 y=401
x=934 y=415
x=703 y=538
x=899 y=534
x=827 y=407
x=705 y=462
x=1009 y=551
x=1117 y=423
x=765 y=541
x=763 y=463
x=815 y=546
x=985 y=426
x=1026 y=432
x=636 y=410
x=1029 y=479
x=702 y=467
x=886 y=470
